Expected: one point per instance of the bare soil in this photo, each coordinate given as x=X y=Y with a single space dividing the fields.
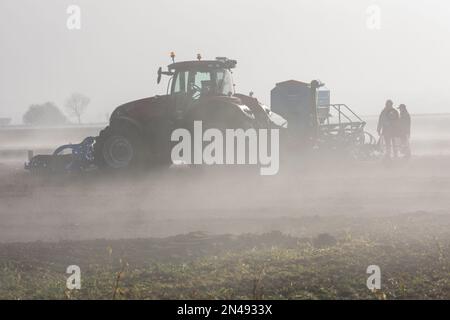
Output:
x=308 y=232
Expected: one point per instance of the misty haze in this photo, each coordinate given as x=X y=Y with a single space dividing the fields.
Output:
x=354 y=94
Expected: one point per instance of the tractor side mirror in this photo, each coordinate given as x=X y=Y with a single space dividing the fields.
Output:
x=158 y=80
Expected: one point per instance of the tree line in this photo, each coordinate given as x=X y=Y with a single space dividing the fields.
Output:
x=48 y=113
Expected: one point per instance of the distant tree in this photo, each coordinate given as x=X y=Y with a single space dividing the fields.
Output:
x=46 y=114
x=76 y=105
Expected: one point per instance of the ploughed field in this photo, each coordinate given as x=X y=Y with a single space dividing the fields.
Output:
x=309 y=232
x=266 y=266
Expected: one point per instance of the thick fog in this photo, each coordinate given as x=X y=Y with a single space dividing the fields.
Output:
x=341 y=215
x=113 y=58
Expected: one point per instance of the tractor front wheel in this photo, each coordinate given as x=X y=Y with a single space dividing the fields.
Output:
x=119 y=148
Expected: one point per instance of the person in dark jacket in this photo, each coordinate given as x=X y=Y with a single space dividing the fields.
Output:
x=405 y=130
x=388 y=128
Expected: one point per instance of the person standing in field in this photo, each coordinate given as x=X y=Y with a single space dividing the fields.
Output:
x=405 y=130
x=388 y=127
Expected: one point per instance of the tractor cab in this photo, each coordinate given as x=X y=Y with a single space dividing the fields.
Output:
x=193 y=80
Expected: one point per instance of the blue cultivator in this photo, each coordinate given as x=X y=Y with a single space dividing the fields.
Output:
x=81 y=157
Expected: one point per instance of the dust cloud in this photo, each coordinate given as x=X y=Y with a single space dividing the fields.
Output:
x=307 y=197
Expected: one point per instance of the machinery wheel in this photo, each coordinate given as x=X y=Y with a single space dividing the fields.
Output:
x=119 y=148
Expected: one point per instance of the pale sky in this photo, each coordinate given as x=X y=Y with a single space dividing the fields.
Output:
x=114 y=57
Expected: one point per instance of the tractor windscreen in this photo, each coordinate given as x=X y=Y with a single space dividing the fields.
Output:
x=211 y=82
x=204 y=82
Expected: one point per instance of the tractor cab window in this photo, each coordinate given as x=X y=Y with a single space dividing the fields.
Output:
x=224 y=82
x=181 y=82
x=196 y=83
x=200 y=83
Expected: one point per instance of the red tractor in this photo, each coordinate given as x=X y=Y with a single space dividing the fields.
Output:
x=139 y=133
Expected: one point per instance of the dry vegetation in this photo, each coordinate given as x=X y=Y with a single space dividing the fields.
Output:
x=267 y=266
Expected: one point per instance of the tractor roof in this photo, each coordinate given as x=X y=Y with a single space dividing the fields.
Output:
x=203 y=64
x=292 y=83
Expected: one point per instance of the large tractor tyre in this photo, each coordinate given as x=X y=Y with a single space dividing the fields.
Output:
x=119 y=148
